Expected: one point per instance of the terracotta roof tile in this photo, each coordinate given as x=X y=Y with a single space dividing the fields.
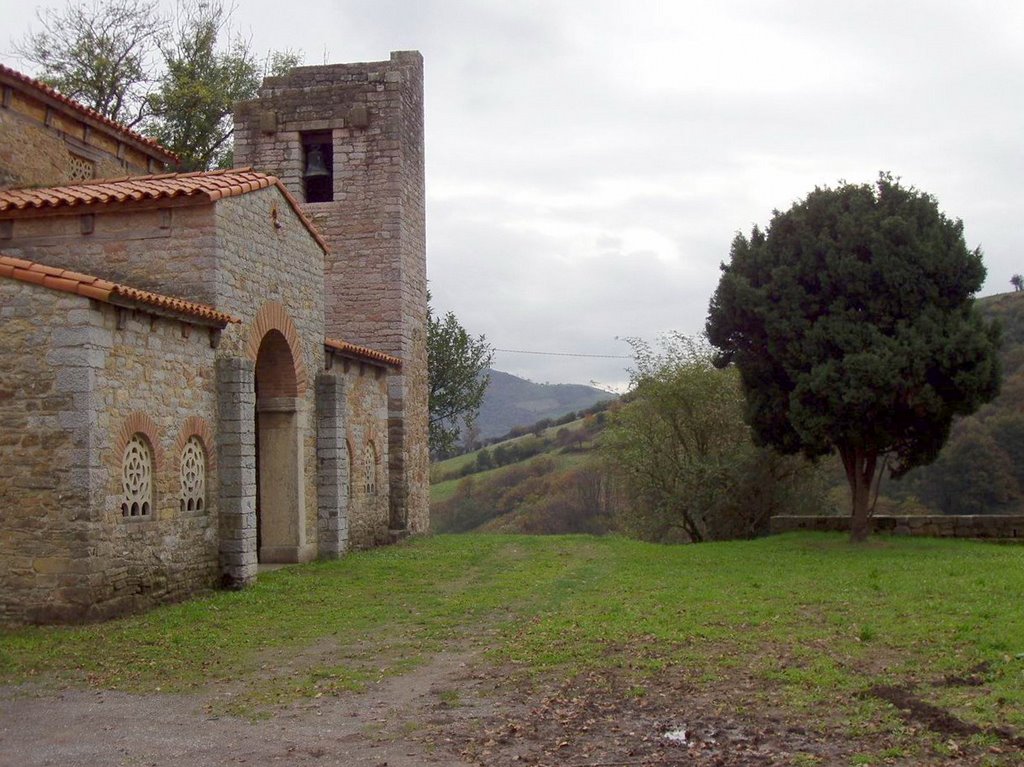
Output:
x=68 y=281
x=207 y=186
x=50 y=93
x=362 y=352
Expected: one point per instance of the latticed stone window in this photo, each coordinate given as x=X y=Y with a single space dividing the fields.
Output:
x=80 y=169
x=370 y=469
x=193 y=476
x=137 y=478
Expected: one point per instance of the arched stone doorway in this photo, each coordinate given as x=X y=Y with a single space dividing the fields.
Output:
x=280 y=507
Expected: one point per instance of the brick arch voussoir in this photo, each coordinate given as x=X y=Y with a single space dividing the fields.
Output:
x=369 y=435
x=273 y=316
x=195 y=426
x=350 y=460
x=374 y=444
x=141 y=423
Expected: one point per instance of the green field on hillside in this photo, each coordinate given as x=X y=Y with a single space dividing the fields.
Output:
x=458 y=462
x=442 y=491
x=447 y=474
x=812 y=620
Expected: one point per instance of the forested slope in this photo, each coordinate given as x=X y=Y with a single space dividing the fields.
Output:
x=981 y=468
x=552 y=481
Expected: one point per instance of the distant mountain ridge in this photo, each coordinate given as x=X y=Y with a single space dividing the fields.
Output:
x=512 y=401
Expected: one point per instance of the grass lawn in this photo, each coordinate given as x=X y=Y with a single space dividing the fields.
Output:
x=812 y=620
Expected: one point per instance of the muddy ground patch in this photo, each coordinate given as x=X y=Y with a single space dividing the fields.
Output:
x=459 y=709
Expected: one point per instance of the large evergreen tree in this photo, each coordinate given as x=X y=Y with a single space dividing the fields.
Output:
x=851 y=322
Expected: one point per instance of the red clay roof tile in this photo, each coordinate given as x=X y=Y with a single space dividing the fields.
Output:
x=91 y=291
x=68 y=281
x=205 y=186
x=47 y=92
x=361 y=352
x=27 y=275
x=16 y=263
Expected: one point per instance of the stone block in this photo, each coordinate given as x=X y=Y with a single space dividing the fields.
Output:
x=50 y=565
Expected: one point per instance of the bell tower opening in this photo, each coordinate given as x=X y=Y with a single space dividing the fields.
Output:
x=318 y=166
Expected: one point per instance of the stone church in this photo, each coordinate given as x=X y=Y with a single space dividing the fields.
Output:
x=204 y=372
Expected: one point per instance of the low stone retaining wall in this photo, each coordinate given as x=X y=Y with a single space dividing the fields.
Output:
x=936 y=526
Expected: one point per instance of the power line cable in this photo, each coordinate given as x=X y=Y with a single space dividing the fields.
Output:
x=566 y=354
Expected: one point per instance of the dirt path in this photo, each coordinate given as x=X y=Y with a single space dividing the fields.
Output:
x=382 y=726
x=455 y=711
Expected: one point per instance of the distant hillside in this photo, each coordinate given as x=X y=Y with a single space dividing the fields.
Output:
x=544 y=481
x=511 y=401
x=1008 y=309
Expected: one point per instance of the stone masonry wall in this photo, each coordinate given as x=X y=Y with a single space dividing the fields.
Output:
x=42 y=495
x=366 y=410
x=239 y=255
x=933 y=525
x=332 y=460
x=163 y=371
x=375 y=275
x=169 y=249
x=236 y=429
x=409 y=393
x=73 y=385
x=48 y=148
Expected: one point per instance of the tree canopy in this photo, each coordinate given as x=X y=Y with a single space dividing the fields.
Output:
x=457 y=365
x=177 y=82
x=101 y=54
x=852 y=324
x=683 y=454
x=193 y=102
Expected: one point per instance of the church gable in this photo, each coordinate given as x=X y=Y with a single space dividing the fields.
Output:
x=48 y=138
x=182 y=234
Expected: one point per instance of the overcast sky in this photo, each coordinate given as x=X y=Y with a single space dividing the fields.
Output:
x=588 y=163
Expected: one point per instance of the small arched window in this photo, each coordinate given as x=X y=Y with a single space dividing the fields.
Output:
x=370 y=469
x=137 y=478
x=193 y=475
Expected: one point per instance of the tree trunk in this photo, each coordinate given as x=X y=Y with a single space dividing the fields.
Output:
x=860 y=473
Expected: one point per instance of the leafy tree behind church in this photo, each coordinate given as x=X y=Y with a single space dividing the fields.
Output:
x=852 y=324
x=457 y=363
x=176 y=82
x=102 y=54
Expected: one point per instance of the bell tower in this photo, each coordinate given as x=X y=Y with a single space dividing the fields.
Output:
x=347 y=142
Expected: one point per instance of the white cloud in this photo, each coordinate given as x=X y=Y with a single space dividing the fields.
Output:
x=589 y=161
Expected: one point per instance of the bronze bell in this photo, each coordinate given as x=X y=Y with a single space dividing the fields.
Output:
x=315 y=166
